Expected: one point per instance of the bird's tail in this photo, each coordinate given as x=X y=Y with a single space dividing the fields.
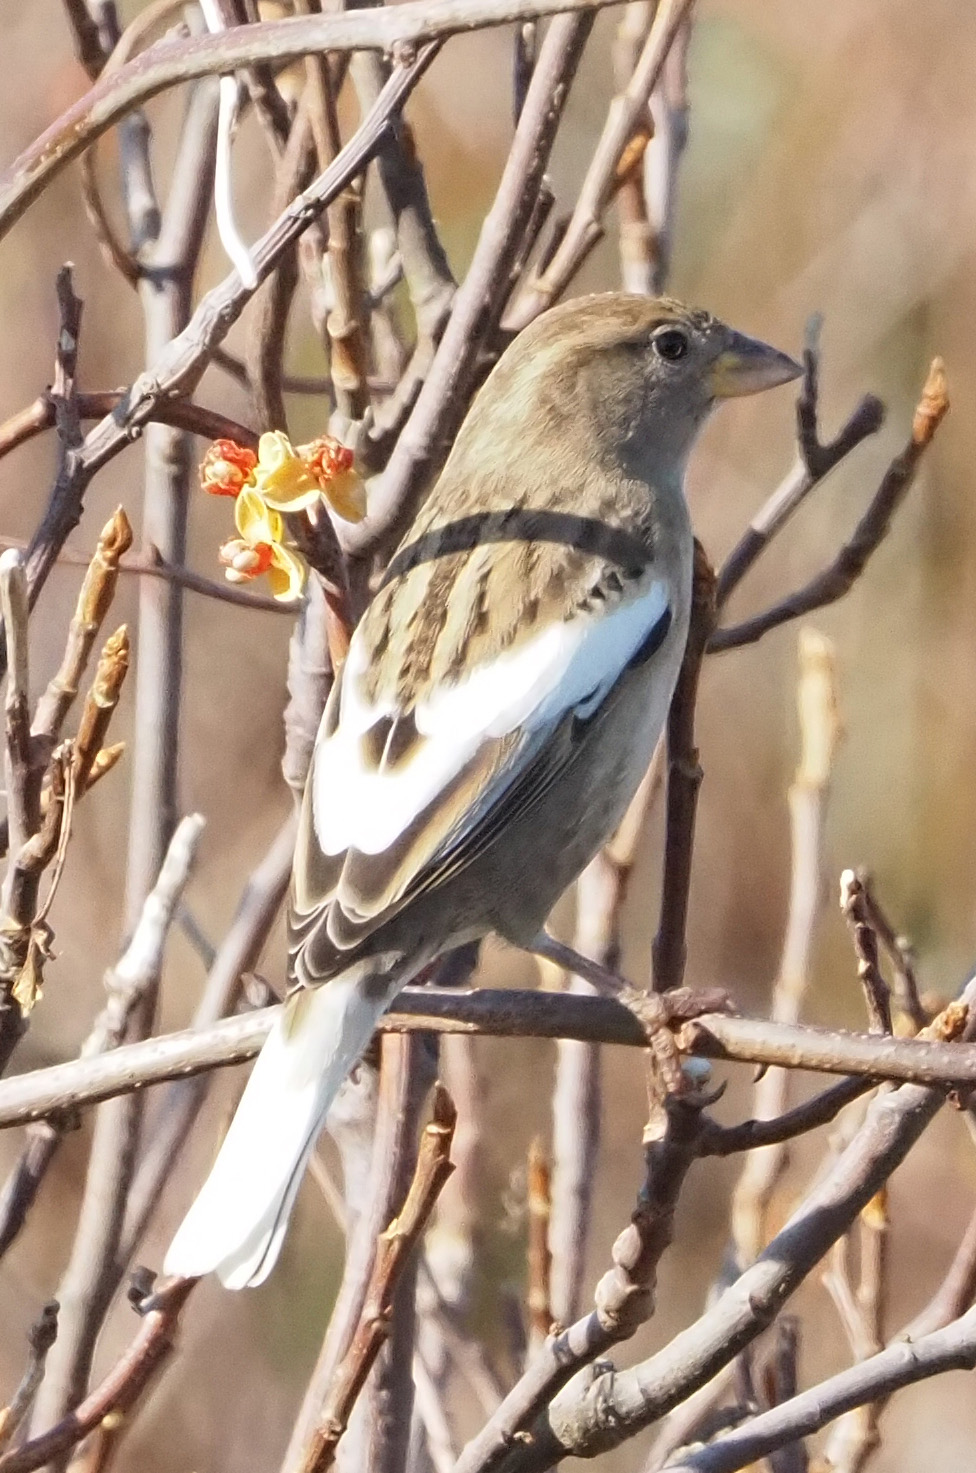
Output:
x=236 y=1225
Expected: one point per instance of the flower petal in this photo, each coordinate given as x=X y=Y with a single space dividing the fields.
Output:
x=281 y=476
x=286 y=575
x=254 y=519
x=346 y=494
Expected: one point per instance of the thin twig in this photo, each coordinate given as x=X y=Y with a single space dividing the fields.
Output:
x=21 y=780
x=378 y=1155
x=602 y=177
x=820 y=728
x=209 y=424
x=40 y=1338
x=450 y=382
x=100 y=703
x=118 y=1393
x=538 y=1256
x=856 y=1436
x=150 y=564
x=684 y=781
x=876 y=993
x=955 y=1294
x=265 y=343
x=87 y=1285
x=623 y=1299
x=749 y=1135
x=394 y=1247
x=94 y=600
x=600 y=896
x=900 y=954
x=814 y=462
x=848 y=565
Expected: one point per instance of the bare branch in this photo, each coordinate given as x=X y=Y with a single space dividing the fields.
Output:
x=237 y=954
x=815 y=460
x=511 y=1013
x=820 y=728
x=172 y=62
x=837 y=579
x=209 y=424
x=120 y=1390
x=597 y=1414
x=87 y=1285
x=394 y=1247
x=538 y=1256
x=954 y=1295
x=585 y=225
x=684 y=780
x=749 y=1135
x=865 y=939
x=179 y=368
x=902 y=1364
x=40 y=1338
x=900 y=954
x=624 y=1297
x=600 y=895
x=21 y=780
x=94 y=599
x=448 y=385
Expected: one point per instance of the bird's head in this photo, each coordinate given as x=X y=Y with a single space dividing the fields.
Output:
x=645 y=372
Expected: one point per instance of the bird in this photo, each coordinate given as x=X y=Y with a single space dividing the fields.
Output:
x=499 y=704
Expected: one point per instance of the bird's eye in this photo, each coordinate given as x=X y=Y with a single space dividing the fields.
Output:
x=670 y=344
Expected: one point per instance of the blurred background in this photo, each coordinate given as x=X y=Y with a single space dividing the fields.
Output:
x=829 y=168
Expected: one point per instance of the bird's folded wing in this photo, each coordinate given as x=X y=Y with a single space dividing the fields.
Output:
x=403 y=792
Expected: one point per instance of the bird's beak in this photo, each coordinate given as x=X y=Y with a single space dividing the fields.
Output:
x=747 y=366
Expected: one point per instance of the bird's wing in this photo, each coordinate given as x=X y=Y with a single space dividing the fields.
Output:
x=409 y=784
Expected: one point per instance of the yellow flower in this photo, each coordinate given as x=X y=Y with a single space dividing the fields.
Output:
x=293 y=479
x=332 y=466
x=258 y=549
x=281 y=475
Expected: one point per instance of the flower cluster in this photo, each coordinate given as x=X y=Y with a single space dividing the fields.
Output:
x=279 y=477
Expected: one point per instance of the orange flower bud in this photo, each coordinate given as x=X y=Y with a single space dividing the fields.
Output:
x=226 y=468
x=326 y=459
x=331 y=464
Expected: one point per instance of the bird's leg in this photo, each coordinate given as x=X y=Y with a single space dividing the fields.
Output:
x=658 y=1012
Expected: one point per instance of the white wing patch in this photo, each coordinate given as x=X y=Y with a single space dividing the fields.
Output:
x=567 y=667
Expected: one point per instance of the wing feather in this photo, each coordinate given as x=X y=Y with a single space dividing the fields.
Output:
x=399 y=799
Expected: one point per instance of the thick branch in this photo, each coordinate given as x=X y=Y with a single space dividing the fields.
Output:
x=902 y=1364
x=172 y=62
x=502 y=1014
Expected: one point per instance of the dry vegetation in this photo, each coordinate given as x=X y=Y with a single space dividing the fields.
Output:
x=570 y=1248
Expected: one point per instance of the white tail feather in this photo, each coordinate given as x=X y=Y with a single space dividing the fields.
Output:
x=236 y=1226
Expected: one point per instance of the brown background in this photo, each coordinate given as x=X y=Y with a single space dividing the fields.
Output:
x=829 y=168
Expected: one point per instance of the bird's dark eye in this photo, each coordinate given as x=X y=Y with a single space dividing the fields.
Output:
x=670 y=344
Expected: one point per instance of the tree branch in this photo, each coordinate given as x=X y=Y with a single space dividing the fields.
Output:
x=171 y=62
x=508 y=1013
x=837 y=579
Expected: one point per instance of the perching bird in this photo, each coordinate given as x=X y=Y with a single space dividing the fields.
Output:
x=499 y=705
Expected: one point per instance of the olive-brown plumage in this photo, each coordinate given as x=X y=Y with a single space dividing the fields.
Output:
x=498 y=707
